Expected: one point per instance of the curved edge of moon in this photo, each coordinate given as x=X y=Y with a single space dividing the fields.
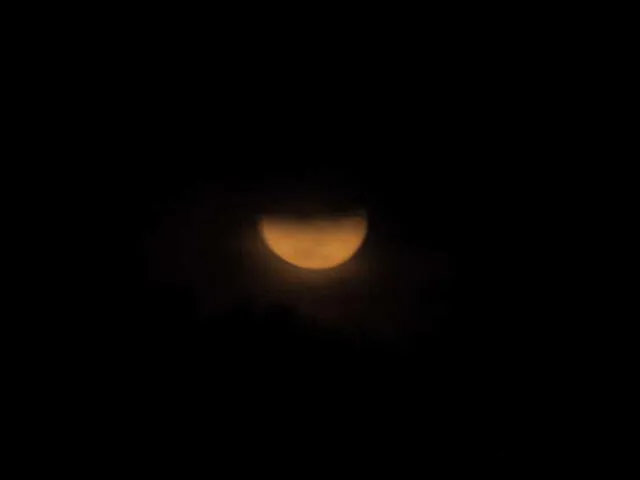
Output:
x=318 y=243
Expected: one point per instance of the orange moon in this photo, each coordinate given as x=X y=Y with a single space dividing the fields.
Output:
x=317 y=243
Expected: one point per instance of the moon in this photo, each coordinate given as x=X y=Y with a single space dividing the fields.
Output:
x=315 y=243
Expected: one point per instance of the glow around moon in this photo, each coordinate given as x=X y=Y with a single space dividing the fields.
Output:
x=316 y=243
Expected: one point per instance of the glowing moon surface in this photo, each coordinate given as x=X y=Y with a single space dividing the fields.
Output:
x=318 y=243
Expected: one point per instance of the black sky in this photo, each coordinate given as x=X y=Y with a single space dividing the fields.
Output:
x=415 y=319
x=419 y=337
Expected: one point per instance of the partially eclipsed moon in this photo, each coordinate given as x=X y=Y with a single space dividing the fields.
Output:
x=317 y=243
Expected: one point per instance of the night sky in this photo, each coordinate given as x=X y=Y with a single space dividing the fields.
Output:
x=412 y=349
x=407 y=337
